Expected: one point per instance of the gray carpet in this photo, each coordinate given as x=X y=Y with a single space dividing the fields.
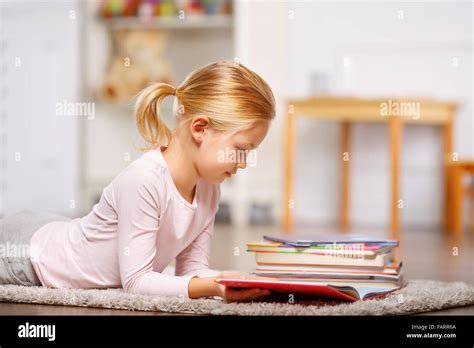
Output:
x=416 y=297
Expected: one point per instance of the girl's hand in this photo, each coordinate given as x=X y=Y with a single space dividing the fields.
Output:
x=240 y=294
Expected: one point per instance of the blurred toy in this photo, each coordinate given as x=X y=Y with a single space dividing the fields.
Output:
x=167 y=8
x=138 y=61
x=111 y=8
x=147 y=10
x=212 y=6
x=131 y=8
x=226 y=7
x=118 y=8
x=195 y=7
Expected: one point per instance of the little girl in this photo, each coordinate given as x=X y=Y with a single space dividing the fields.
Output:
x=162 y=206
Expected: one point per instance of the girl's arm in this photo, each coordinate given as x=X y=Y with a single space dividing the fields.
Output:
x=203 y=287
x=194 y=260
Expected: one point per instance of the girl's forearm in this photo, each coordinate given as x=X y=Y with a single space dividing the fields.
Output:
x=203 y=287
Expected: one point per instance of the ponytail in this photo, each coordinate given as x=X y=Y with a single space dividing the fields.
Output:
x=148 y=115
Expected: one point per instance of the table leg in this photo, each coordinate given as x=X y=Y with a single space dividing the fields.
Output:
x=345 y=152
x=471 y=200
x=288 y=159
x=456 y=200
x=395 y=126
x=447 y=158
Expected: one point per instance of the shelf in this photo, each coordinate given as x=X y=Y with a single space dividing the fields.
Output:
x=189 y=22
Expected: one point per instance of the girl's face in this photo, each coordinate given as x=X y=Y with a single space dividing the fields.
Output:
x=219 y=154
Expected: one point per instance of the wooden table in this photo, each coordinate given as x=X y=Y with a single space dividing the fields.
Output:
x=349 y=110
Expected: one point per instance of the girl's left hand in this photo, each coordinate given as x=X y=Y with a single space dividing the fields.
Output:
x=240 y=294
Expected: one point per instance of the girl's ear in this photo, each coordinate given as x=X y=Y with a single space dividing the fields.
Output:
x=198 y=126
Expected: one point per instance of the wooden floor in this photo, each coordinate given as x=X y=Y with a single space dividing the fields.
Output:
x=426 y=254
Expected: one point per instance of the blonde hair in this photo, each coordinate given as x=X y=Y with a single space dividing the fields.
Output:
x=232 y=96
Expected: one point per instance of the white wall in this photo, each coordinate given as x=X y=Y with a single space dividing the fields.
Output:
x=261 y=45
x=387 y=56
x=40 y=60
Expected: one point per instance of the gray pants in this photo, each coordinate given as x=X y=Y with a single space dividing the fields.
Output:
x=15 y=234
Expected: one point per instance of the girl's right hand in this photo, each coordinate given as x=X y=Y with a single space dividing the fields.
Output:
x=239 y=294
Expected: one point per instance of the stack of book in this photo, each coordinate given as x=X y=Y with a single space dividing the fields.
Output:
x=350 y=267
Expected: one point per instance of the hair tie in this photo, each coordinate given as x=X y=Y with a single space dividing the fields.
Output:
x=174 y=92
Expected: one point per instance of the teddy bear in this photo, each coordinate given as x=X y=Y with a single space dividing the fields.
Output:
x=138 y=61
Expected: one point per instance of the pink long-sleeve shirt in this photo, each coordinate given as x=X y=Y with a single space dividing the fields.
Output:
x=140 y=224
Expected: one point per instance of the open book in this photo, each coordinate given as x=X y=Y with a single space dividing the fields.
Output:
x=336 y=290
